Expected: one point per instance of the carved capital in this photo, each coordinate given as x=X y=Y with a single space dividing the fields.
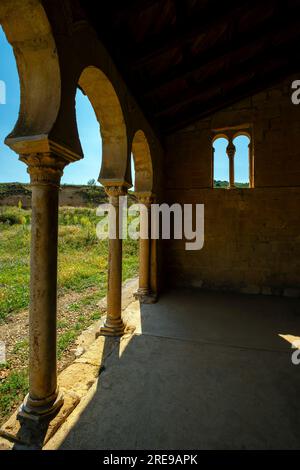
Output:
x=230 y=150
x=44 y=168
x=114 y=192
x=145 y=198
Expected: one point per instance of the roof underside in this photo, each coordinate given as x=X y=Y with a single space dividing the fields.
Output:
x=184 y=59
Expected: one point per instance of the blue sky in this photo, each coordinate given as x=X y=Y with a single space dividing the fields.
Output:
x=241 y=160
x=11 y=169
x=89 y=132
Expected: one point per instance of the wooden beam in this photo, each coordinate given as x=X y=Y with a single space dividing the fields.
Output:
x=119 y=7
x=135 y=5
x=201 y=24
x=237 y=45
x=234 y=70
x=258 y=83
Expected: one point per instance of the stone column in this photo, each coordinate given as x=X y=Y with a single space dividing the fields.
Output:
x=45 y=173
x=143 y=293
x=114 y=325
x=213 y=168
x=230 y=150
x=153 y=266
x=251 y=165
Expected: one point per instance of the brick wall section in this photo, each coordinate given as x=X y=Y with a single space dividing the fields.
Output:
x=252 y=236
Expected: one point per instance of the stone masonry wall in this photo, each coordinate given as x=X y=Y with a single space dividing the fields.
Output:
x=252 y=236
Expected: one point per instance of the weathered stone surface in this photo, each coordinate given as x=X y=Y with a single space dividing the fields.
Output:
x=79 y=351
x=5 y=444
x=98 y=351
x=78 y=377
x=36 y=434
x=266 y=291
x=254 y=290
x=291 y=292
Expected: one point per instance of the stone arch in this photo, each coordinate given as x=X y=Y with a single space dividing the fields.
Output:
x=240 y=161
x=103 y=97
x=219 y=136
x=242 y=133
x=142 y=162
x=215 y=164
x=27 y=29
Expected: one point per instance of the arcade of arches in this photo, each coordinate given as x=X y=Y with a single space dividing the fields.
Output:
x=252 y=242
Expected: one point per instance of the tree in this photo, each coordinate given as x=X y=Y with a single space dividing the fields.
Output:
x=91 y=182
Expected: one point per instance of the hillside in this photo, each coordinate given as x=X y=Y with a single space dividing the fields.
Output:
x=225 y=184
x=13 y=194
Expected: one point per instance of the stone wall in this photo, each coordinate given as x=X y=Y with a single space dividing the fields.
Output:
x=252 y=236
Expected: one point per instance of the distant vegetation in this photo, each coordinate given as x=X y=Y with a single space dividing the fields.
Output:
x=82 y=256
x=225 y=184
x=90 y=195
x=14 y=189
x=93 y=194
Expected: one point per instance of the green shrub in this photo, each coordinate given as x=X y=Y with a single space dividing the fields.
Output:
x=13 y=189
x=12 y=390
x=13 y=216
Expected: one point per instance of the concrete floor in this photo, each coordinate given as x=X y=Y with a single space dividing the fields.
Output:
x=209 y=371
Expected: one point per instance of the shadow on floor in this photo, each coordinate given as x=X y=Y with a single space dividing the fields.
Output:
x=210 y=371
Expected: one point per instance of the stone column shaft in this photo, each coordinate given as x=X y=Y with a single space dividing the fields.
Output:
x=251 y=166
x=144 y=247
x=114 y=325
x=45 y=172
x=153 y=270
x=144 y=293
x=231 y=153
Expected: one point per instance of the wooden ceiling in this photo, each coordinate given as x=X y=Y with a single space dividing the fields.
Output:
x=184 y=59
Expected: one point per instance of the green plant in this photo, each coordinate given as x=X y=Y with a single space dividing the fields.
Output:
x=13 y=216
x=65 y=340
x=13 y=189
x=20 y=346
x=12 y=390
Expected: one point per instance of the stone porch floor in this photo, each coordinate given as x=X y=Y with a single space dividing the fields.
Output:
x=203 y=370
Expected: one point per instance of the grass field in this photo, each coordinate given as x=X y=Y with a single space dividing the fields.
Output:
x=82 y=279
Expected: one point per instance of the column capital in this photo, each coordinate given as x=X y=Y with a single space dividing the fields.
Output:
x=115 y=191
x=230 y=149
x=146 y=198
x=44 y=168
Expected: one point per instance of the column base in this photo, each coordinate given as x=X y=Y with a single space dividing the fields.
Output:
x=38 y=410
x=112 y=329
x=145 y=296
x=35 y=432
